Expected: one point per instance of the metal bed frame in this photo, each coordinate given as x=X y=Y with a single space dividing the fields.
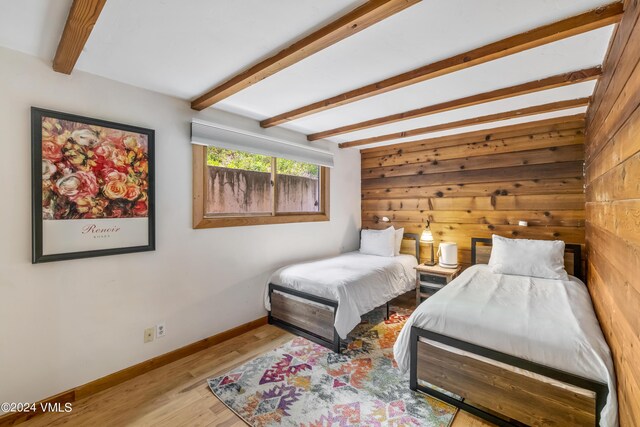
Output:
x=600 y=389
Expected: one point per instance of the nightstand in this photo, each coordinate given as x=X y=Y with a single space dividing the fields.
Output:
x=431 y=279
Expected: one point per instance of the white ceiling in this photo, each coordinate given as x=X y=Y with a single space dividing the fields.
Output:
x=183 y=48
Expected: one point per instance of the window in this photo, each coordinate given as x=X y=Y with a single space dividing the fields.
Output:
x=297 y=186
x=238 y=183
x=234 y=188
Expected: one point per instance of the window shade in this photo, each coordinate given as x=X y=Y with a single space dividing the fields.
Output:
x=216 y=135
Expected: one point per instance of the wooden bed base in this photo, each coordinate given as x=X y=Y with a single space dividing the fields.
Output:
x=310 y=321
x=498 y=394
x=500 y=388
x=314 y=319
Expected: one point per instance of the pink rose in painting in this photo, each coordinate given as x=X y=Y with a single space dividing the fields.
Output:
x=51 y=151
x=120 y=160
x=140 y=208
x=86 y=137
x=113 y=175
x=133 y=192
x=103 y=154
x=95 y=172
x=115 y=138
x=115 y=189
x=117 y=212
x=77 y=185
x=104 y=150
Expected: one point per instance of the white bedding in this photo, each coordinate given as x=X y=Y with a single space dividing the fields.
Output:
x=550 y=322
x=358 y=282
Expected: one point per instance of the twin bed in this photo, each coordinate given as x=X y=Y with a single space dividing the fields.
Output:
x=323 y=300
x=511 y=349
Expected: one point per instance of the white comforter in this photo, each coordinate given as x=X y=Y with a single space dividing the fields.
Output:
x=358 y=282
x=550 y=322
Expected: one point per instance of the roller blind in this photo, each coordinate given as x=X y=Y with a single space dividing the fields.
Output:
x=216 y=135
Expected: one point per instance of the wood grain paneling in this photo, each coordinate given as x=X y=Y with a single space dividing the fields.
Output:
x=521 y=187
x=482 y=144
x=513 y=394
x=612 y=175
x=491 y=118
x=548 y=128
x=440 y=164
x=549 y=170
x=480 y=183
x=313 y=318
x=616 y=95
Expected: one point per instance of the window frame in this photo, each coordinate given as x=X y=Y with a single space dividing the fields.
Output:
x=202 y=220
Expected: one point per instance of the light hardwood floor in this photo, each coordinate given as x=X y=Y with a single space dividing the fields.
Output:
x=177 y=394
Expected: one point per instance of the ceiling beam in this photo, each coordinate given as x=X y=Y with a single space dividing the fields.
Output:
x=82 y=17
x=588 y=21
x=347 y=25
x=494 y=95
x=497 y=117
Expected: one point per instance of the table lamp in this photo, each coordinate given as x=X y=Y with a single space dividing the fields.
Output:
x=427 y=237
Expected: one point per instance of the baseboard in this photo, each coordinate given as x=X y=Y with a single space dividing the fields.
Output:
x=126 y=374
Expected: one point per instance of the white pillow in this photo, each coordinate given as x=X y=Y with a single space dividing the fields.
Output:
x=378 y=242
x=399 y=236
x=524 y=257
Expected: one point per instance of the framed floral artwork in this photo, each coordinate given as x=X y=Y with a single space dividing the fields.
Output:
x=93 y=187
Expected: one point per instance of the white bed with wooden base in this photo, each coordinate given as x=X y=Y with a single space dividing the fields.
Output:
x=323 y=300
x=514 y=349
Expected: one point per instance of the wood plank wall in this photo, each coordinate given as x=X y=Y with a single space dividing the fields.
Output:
x=612 y=154
x=480 y=183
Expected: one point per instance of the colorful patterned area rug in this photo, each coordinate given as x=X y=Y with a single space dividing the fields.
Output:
x=306 y=385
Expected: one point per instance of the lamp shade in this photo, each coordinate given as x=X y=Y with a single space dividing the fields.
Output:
x=427 y=236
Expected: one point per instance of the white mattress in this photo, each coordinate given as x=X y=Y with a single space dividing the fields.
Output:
x=358 y=282
x=550 y=322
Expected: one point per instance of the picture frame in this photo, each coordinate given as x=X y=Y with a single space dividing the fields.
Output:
x=93 y=187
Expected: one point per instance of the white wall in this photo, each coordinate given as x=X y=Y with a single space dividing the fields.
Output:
x=65 y=323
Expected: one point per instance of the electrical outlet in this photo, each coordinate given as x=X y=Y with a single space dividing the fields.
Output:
x=149 y=334
x=161 y=330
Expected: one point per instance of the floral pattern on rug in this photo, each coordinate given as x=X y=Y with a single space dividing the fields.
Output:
x=307 y=385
